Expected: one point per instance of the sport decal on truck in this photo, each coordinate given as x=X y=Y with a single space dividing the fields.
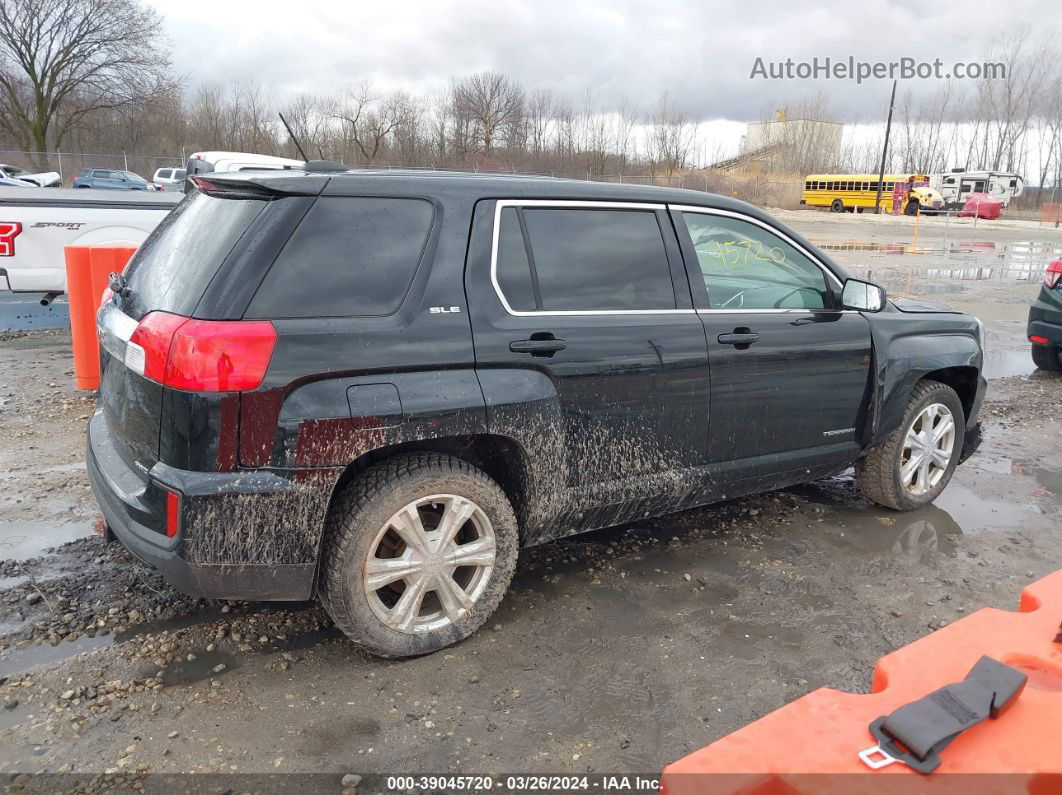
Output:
x=73 y=226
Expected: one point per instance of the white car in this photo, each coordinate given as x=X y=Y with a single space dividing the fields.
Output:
x=44 y=179
x=168 y=176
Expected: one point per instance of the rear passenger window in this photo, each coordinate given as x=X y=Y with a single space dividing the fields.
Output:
x=583 y=260
x=349 y=257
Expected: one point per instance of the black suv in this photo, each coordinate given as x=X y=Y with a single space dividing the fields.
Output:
x=376 y=387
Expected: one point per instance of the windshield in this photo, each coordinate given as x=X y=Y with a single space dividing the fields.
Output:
x=15 y=171
x=129 y=175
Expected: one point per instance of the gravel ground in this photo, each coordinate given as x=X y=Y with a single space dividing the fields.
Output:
x=616 y=651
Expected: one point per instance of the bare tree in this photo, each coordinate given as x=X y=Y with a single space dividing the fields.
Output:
x=539 y=120
x=369 y=121
x=1008 y=105
x=61 y=60
x=670 y=139
x=493 y=103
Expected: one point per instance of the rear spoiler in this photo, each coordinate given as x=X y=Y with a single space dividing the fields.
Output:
x=262 y=184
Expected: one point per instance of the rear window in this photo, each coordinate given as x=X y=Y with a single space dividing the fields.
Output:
x=171 y=270
x=349 y=257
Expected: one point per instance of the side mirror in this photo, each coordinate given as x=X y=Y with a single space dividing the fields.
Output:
x=862 y=296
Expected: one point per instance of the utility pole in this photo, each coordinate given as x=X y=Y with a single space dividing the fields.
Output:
x=885 y=150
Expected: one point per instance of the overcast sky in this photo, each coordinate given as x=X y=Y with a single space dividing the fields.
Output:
x=700 y=51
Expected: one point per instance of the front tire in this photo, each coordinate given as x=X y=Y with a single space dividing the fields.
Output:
x=912 y=208
x=837 y=206
x=915 y=462
x=419 y=551
x=1047 y=357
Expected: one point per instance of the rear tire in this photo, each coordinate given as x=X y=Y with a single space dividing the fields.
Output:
x=389 y=580
x=882 y=473
x=1047 y=357
x=837 y=206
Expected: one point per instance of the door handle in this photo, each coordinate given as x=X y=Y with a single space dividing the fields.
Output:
x=741 y=338
x=538 y=345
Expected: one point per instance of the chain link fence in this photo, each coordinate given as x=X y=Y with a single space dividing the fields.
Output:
x=757 y=190
x=69 y=164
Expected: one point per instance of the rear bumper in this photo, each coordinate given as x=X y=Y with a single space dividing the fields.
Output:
x=1050 y=331
x=201 y=558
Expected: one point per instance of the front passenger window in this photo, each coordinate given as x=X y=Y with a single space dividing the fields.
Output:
x=745 y=266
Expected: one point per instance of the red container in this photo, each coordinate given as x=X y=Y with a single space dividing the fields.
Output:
x=87 y=271
x=983 y=206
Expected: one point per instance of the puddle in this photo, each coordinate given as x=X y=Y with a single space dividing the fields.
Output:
x=916 y=535
x=972 y=512
x=11 y=582
x=1005 y=364
x=22 y=660
x=11 y=717
x=183 y=672
x=25 y=540
x=304 y=640
x=961 y=260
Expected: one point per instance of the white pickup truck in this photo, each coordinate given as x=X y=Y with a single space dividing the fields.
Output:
x=37 y=223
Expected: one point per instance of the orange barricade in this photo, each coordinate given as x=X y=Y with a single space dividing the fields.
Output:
x=87 y=271
x=812 y=744
x=1051 y=213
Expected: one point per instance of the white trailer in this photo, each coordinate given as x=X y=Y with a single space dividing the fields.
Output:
x=37 y=223
x=957 y=184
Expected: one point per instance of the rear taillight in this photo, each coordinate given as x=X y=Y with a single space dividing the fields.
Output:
x=201 y=355
x=1053 y=275
x=9 y=230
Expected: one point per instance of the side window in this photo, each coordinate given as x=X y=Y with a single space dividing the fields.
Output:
x=745 y=266
x=583 y=259
x=514 y=268
x=348 y=257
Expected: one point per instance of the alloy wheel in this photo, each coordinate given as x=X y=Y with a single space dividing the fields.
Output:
x=429 y=563
x=927 y=449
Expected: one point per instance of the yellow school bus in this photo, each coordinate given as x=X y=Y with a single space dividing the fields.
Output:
x=900 y=193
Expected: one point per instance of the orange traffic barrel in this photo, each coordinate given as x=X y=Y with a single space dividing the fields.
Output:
x=814 y=744
x=87 y=272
